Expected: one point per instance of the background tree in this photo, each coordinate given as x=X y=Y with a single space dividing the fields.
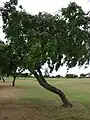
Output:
x=14 y=63
x=9 y=63
x=47 y=38
x=3 y=60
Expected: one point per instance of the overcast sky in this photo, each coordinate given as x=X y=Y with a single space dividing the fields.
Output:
x=51 y=6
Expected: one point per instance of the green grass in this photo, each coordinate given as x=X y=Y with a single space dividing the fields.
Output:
x=77 y=90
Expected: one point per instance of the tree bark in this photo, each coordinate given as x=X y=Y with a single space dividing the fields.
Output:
x=13 y=82
x=51 y=88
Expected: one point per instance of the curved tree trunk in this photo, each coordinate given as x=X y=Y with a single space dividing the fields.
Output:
x=51 y=88
x=13 y=82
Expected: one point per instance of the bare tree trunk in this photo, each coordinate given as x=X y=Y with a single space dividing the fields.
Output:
x=13 y=82
x=51 y=88
x=15 y=75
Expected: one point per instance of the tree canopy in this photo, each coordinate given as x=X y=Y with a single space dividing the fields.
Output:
x=9 y=61
x=41 y=38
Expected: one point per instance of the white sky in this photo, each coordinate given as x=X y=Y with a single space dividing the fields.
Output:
x=51 y=6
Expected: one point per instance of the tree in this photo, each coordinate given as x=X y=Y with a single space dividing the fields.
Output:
x=14 y=61
x=1 y=43
x=9 y=62
x=3 y=61
x=47 y=38
x=71 y=76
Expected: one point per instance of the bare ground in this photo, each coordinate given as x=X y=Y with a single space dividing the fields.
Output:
x=19 y=112
x=10 y=110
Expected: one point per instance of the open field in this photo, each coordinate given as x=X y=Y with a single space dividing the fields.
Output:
x=29 y=101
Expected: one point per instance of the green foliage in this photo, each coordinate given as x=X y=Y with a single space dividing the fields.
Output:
x=9 y=61
x=41 y=38
x=78 y=35
x=3 y=59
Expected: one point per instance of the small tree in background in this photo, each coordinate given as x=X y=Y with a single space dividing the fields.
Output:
x=9 y=62
x=14 y=61
x=4 y=61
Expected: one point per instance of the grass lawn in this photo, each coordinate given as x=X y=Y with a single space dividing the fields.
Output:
x=29 y=101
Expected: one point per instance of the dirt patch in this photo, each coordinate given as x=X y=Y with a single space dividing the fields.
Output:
x=10 y=110
x=19 y=112
x=8 y=92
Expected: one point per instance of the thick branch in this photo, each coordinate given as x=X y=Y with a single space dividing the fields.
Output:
x=87 y=13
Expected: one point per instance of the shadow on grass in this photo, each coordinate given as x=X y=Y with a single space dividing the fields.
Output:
x=38 y=101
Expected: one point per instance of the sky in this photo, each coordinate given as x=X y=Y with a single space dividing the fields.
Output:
x=51 y=6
